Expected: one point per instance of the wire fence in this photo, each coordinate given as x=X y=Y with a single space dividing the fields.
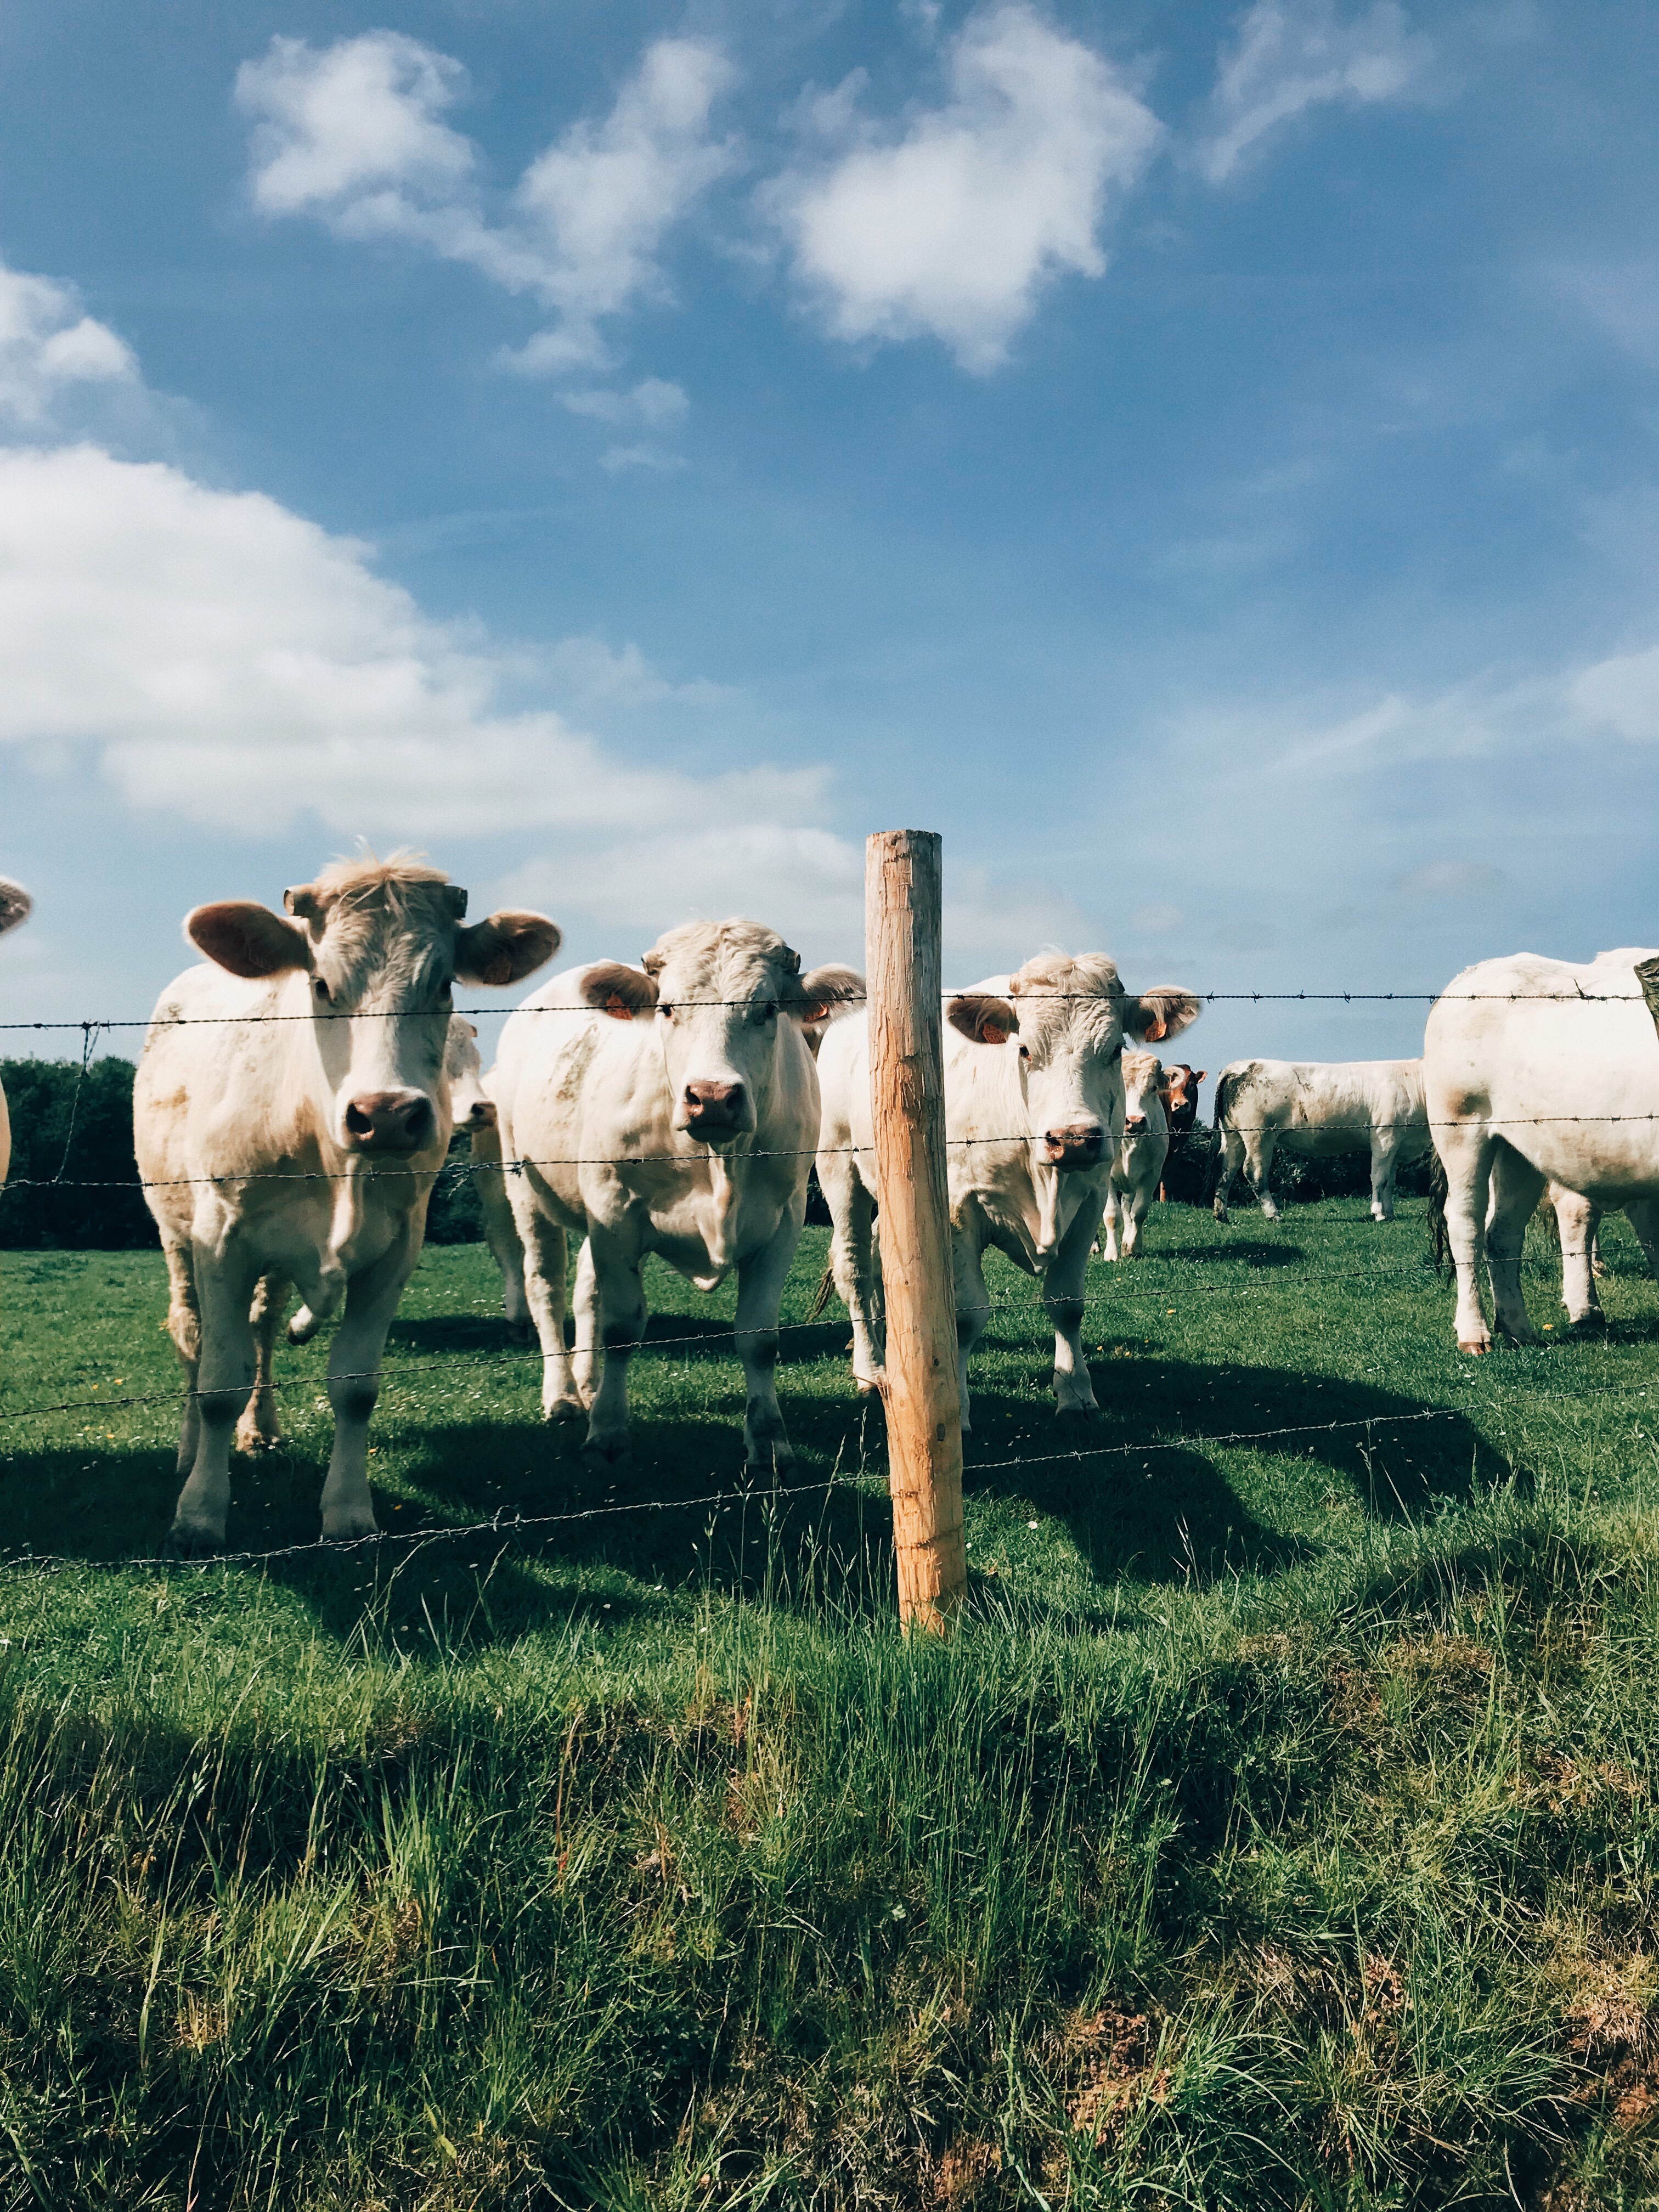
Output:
x=515 y=1526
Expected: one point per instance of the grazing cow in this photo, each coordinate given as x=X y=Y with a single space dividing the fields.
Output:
x=671 y=1108
x=1538 y=1071
x=291 y=1112
x=14 y=905
x=1034 y=1116
x=1139 y=1161
x=1317 y=1109
x=1178 y=1088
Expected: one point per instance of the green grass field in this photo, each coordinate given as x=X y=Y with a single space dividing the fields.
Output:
x=1278 y=1829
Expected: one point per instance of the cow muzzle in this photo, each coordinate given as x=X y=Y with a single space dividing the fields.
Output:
x=389 y=1121
x=1134 y=1125
x=481 y=1116
x=713 y=1110
x=1079 y=1145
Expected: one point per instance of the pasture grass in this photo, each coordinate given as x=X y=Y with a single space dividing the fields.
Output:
x=1276 y=1830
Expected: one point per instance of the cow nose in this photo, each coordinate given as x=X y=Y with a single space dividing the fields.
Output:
x=1134 y=1123
x=713 y=1105
x=482 y=1115
x=388 y=1121
x=1076 y=1146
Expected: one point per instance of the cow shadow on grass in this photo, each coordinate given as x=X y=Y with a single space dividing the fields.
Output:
x=692 y=1336
x=1232 y=1251
x=1178 y=1482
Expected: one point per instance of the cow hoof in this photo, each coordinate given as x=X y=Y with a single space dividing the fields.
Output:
x=256 y=1440
x=1476 y=1346
x=565 y=1409
x=186 y=1543
x=1090 y=1417
x=606 y=1452
x=769 y=1460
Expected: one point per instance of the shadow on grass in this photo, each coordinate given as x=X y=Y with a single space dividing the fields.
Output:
x=693 y=1336
x=1247 y=1251
x=622 y=1541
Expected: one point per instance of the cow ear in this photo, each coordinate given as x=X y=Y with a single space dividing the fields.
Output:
x=248 y=938
x=611 y=988
x=504 y=948
x=14 y=904
x=1165 y=1012
x=1199 y=1075
x=985 y=1020
x=303 y=904
x=816 y=996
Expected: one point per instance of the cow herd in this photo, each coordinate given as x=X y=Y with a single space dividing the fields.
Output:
x=300 y=1088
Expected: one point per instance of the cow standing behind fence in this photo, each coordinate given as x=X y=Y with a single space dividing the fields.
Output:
x=671 y=1108
x=1034 y=1116
x=1537 y=1071
x=1318 y=1109
x=1137 y=1171
x=291 y=1111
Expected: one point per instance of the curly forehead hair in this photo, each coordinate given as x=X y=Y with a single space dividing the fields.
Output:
x=730 y=950
x=1141 y=1067
x=1059 y=975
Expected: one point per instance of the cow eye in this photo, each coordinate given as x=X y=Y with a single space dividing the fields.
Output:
x=323 y=993
x=768 y=1013
x=667 y=1013
x=1026 y=1052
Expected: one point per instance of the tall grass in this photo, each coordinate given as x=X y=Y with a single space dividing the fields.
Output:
x=1308 y=1863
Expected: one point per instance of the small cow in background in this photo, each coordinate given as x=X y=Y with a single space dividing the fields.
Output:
x=1140 y=1157
x=1178 y=1090
x=1318 y=1109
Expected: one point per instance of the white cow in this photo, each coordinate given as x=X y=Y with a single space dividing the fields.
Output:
x=1034 y=1116
x=291 y=1112
x=671 y=1108
x=1139 y=1167
x=14 y=906
x=1318 y=1109
x=1537 y=1071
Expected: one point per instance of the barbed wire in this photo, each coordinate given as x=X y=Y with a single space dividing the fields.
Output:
x=968 y=990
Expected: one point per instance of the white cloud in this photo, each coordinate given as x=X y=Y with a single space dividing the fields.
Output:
x=1292 y=55
x=1158 y=919
x=951 y=226
x=354 y=136
x=48 y=345
x=237 y=665
x=1621 y=694
x=653 y=403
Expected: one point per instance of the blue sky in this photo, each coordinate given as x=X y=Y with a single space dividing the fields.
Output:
x=1200 y=458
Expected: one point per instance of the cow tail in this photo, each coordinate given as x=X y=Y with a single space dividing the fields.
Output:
x=1439 y=1241
x=826 y=1290
x=1226 y=1090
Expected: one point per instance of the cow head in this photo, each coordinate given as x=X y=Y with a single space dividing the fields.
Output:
x=1143 y=1087
x=720 y=995
x=15 y=904
x=1179 y=1091
x=1066 y=1021
x=379 y=945
x=470 y=1104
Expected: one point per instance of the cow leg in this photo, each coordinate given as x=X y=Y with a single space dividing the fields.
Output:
x=1576 y=1219
x=1259 y=1167
x=184 y=1328
x=621 y=1329
x=1233 y=1156
x=1385 y=1154
x=1466 y=1151
x=1642 y=1215
x=1517 y=1187
x=500 y=1233
x=258 y=1428
x=760 y=1294
x=224 y=1379
x=354 y=1385
x=853 y=1262
x=1109 y=1242
x=1133 y=1206
x=1062 y=1293
x=544 y=1245
x=973 y=1311
x=589 y=1354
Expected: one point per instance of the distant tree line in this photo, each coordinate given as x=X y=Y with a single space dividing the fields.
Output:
x=83 y=1132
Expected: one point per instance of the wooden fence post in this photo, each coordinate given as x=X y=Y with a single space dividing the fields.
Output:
x=907 y=1098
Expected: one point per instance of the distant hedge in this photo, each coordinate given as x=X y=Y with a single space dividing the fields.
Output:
x=1189 y=1175
x=41 y=1096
